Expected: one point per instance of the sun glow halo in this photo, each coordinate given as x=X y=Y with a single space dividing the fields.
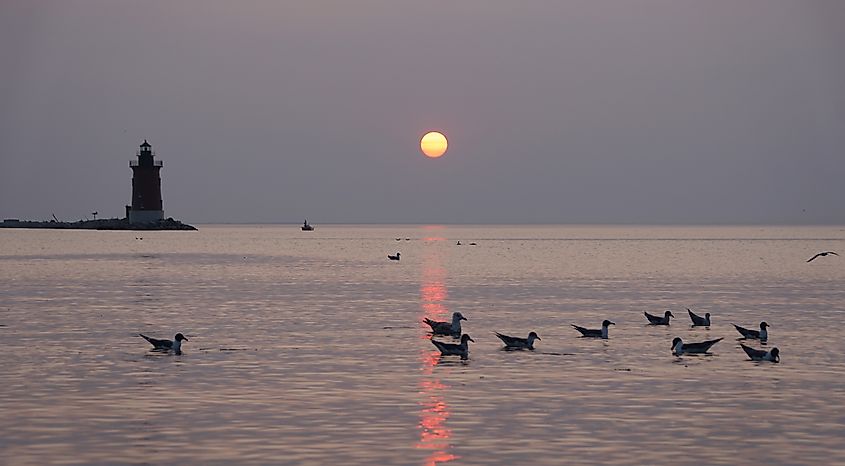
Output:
x=433 y=144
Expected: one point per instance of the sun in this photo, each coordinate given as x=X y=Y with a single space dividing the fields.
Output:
x=434 y=144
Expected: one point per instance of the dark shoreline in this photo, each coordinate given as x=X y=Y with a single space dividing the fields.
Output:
x=103 y=224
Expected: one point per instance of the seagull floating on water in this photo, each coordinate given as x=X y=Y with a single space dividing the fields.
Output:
x=446 y=328
x=679 y=347
x=761 y=334
x=655 y=320
x=822 y=254
x=772 y=355
x=394 y=258
x=516 y=342
x=167 y=345
x=452 y=349
x=594 y=333
x=698 y=321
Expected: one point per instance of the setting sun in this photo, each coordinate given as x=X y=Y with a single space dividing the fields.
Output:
x=434 y=144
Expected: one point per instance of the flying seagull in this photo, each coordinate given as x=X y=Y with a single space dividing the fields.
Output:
x=679 y=347
x=594 y=332
x=452 y=349
x=167 y=345
x=822 y=254
x=655 y=320
x=519 y=343
x=772 y=355
x=446 y=328
x=761 y=334
x=394 y=258
x=698 y=321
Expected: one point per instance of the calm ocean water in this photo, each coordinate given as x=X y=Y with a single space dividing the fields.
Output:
x=307 y=347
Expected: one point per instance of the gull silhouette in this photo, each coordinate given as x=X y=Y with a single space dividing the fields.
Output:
x=822 y=254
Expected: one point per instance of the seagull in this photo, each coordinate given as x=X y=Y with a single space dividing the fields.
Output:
x=452 y=349
x=655 y=320
x=516 y=342
x=679 y=347
x=822 y=254
x=698 y=321
x=772 y=355
x=446 y=328
x=761 y=334
x=394 y=258
x=594 y=333
x=167 y=345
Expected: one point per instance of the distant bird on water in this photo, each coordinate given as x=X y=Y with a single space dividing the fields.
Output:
x=167 y=345
x=698 y=321
x=394 y=258
x=679 y=347
x=772 y=355
x=519 y=343
x=761 y=334
x=446 y=328
x=822 y=254
x=594 y=332
x=452 y=349
x=655 y=320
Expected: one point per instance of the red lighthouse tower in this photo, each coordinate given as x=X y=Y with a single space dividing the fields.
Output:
x=146 y=187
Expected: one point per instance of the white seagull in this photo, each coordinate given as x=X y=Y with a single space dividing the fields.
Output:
x=446 y=328
x=452 y=349
x=519 y=343
x=679 y=347
x=167 y=345
x=594 y=332
x=772 y=355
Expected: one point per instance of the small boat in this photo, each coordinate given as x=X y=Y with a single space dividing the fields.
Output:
x=307 y=227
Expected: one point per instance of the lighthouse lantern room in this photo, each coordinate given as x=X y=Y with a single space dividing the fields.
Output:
x=146 y=187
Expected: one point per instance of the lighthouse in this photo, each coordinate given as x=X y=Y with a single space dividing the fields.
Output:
x=146 y=187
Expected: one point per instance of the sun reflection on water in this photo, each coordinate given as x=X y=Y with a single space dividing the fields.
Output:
x=434 y=433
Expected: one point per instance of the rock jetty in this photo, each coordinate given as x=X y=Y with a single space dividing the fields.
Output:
x=100 y=224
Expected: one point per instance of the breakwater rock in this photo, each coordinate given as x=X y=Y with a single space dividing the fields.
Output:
x=101 y=224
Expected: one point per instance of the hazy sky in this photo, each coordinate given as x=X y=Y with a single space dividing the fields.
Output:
x=556 y=111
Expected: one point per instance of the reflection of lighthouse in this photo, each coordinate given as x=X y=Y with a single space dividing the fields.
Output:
x=146 y=187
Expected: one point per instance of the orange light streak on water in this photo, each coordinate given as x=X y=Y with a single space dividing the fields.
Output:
x=434 y=433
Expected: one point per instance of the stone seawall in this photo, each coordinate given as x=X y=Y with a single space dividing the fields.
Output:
x=103 y=224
